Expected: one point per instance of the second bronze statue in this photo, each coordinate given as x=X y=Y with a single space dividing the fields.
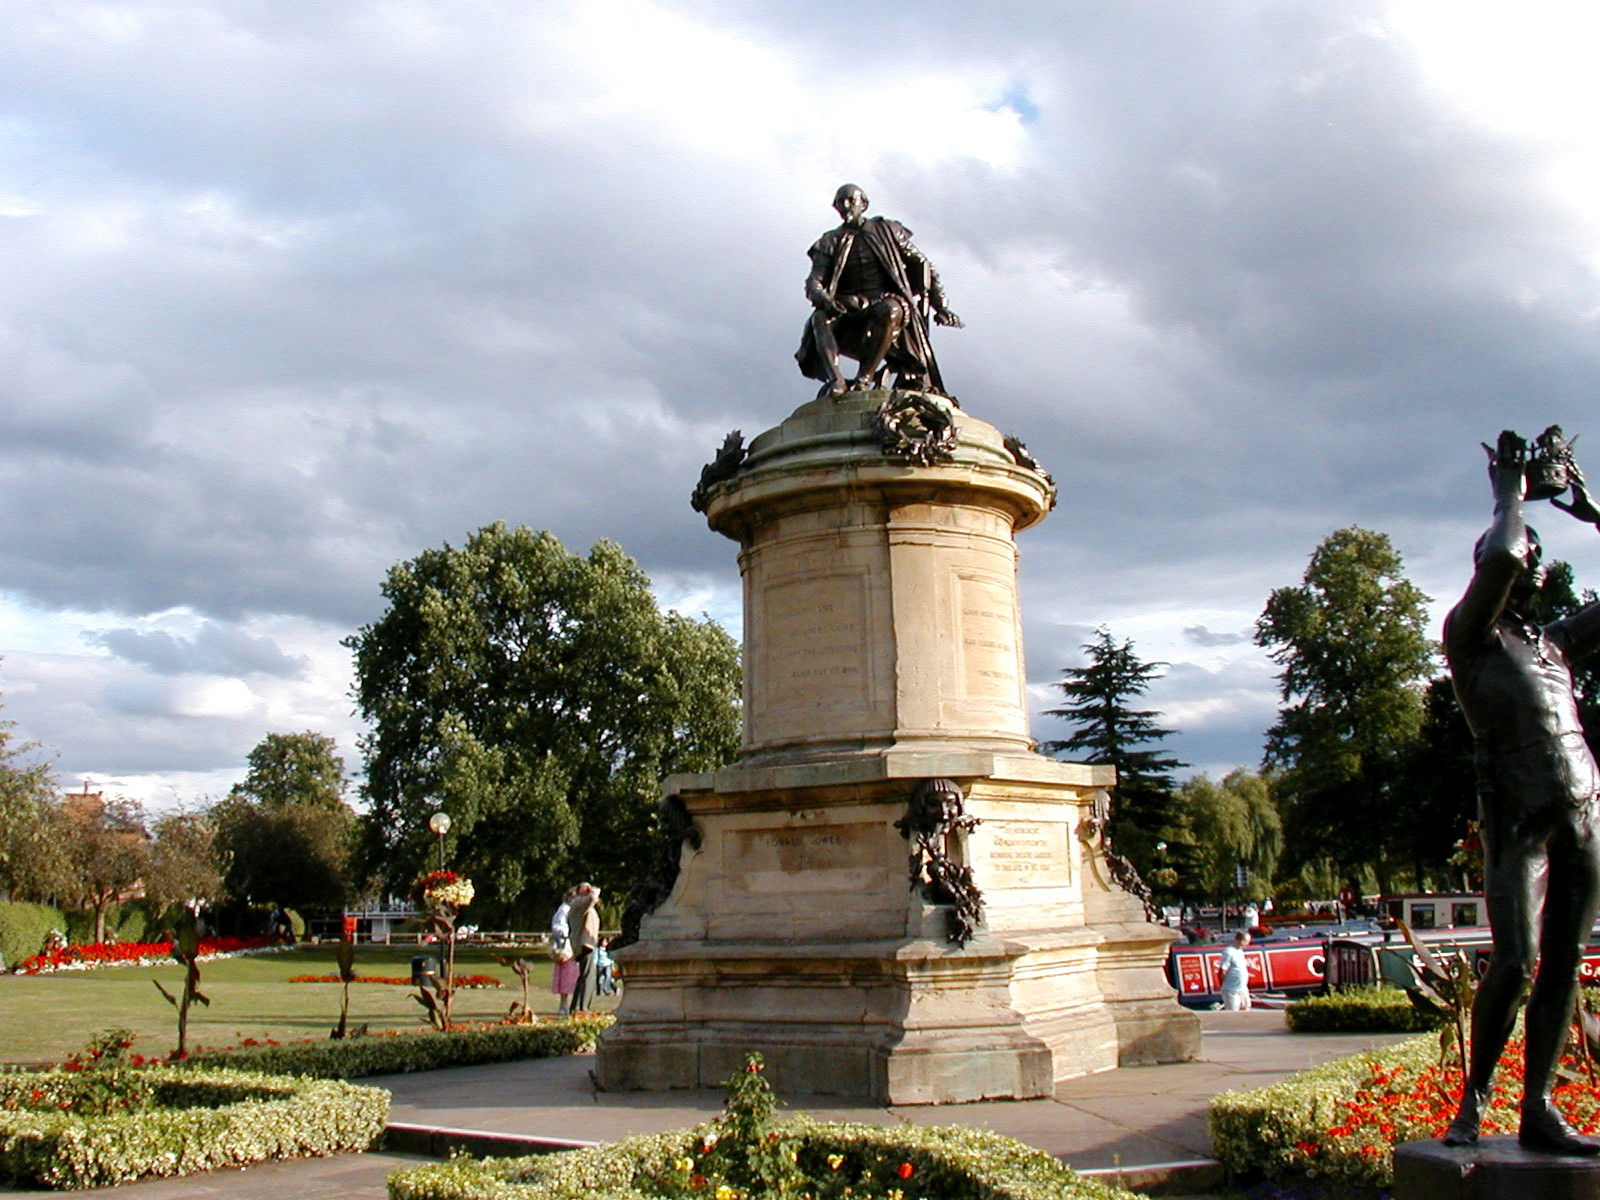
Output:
x=871 y=291
x=1538 y=788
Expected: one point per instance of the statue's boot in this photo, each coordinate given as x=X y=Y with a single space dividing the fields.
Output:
x=1463 y=1130
x=1546 y=1130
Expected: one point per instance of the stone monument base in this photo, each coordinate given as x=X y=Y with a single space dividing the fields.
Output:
x=1496 y=1167
x=794 y=931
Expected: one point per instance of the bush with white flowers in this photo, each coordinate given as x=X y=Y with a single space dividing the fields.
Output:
x=80 y=1129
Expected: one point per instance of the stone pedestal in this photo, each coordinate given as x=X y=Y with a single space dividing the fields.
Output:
x=882 y=649
x=1495 y=1168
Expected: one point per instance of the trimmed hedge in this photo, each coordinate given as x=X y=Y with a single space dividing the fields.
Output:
x=22 y=929
x=1360 y=1010
x=399 y=1053
x=135 y=921
x=952 y=1163
x=125 y=1125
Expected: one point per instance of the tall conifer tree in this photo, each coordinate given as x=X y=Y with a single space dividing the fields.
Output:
x=1099 y=702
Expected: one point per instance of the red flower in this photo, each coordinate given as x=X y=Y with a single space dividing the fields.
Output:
x=905 y=1171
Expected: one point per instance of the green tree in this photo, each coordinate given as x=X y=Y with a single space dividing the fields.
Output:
x=32 y=858
x=294 y=768
x=184 y=860
x=1109 y=730
x=284 y=832
x=1352 y=644
x=107 y=850
x=298 y=856
x=1230 y=824
x=538 y=698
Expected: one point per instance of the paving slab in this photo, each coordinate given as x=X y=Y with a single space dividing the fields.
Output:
x=1131 y=1118
x=1135 y=1116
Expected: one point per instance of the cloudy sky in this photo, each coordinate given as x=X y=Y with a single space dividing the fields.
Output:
x=290 y=291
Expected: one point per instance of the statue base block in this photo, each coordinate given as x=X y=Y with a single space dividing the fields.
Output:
x=1495 y=1167
x=794 y=931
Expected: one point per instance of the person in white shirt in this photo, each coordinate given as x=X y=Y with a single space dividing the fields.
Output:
x=1236 y=975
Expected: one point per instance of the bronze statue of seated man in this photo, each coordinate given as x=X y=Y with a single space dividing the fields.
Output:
x=868 y=287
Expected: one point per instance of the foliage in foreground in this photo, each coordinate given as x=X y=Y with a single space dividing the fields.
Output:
x=1360 y=1010
x=1342 y=1120
x=746 y=1154
x=63 y=1129
x=399 y=1053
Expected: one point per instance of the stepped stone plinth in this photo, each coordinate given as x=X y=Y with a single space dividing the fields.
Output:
x=883 y=650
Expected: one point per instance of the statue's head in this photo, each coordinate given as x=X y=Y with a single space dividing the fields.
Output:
x=1533 y=568
x=850 y=202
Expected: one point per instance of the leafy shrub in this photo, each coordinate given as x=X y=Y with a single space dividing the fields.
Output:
x=89 y=1129
x=398 y=1053
x=22 y=929
x=745 y=1153
x=1361 y=1010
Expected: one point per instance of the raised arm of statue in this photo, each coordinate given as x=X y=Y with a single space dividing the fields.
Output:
x=1580 y=633
x=1501 y=552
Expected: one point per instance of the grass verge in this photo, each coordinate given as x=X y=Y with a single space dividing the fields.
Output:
x=251 y=998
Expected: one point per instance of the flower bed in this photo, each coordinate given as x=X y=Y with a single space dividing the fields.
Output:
x=745 y=1154
x=1360 y=1010
x=398 y=1053
x=1342 y=1120
x=460 y=981
x=861 y=1162
x=90 y=1129
x=139 y=954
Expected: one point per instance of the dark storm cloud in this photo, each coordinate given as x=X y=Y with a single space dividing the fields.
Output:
x=289 y=293
x=214 y=650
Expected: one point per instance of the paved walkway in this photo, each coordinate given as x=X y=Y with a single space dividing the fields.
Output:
x=1128 y=1118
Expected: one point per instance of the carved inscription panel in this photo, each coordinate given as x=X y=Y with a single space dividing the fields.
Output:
x=817 y=858
x=815 y=649
x=1022 y=854
x=991 y=666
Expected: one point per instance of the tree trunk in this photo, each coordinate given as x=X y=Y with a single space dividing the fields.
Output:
x=1385 y=877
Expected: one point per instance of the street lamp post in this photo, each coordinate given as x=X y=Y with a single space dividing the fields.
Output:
x=439 y=823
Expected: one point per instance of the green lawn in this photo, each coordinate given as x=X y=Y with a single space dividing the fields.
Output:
x=43 y=1018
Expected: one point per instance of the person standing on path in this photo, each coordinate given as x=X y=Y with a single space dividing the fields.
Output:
x=584 y=921
x=564 y=975
x=1236 y=975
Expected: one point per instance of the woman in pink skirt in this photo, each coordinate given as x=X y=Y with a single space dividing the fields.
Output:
x=564 y=978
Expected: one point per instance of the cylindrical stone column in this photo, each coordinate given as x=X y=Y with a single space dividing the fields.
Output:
x=880 y=596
